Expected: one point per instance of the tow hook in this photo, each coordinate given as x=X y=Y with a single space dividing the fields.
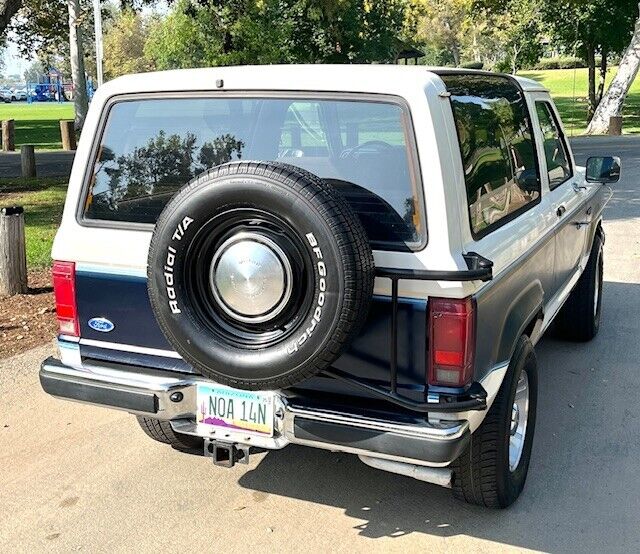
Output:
x=226 y=454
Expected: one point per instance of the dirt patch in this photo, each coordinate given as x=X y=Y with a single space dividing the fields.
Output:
x=28 y=320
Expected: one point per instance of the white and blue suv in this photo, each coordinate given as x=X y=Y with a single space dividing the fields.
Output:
x=354 y=258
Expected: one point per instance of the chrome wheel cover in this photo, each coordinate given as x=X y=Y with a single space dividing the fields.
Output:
x=519 y=418
x=250 y=278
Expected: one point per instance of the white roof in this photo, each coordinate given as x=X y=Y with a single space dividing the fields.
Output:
x=388 y=79
x=530 y=84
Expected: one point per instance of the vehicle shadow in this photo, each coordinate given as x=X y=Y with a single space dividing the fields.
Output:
x=582 y=488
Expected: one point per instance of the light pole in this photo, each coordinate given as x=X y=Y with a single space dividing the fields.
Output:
x=97 y=19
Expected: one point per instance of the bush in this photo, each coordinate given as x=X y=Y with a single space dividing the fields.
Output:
x=560 y=63
x=472 y=65
x=503 y=66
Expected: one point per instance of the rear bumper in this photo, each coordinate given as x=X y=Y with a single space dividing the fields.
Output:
x=168 y=396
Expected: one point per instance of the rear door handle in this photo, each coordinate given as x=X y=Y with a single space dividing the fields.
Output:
x=560 y=211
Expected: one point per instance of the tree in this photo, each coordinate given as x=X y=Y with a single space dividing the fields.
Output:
x=8 y=8
x=591 y=27
x=124 y=43
x=350 y=31
x=613 y=101
x=35 y=70
x=41 y=28
x=76 y=58
x=217 y=32
x=444 y=25
x=520 y=25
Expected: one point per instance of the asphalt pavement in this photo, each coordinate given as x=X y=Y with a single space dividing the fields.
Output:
x=48 y=164
x=77 y=477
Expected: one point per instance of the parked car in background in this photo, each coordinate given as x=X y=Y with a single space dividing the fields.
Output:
x=5 y=95
x=19 y=94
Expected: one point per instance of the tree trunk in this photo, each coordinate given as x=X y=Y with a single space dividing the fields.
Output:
x=514 y=59
x=455 y=52
x=13 y=258
x=602 y=77
x=476 y=51
x=591 y=64
x=613 y=100
x=80 y=101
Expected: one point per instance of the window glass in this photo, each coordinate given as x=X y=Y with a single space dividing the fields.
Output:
x=152 y=147
x=555 y=152
x=497 y=148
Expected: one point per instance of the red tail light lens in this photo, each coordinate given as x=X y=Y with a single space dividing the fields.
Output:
x=64 y=290
x=452 y=337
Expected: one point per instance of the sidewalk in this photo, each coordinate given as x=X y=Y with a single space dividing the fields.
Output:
x=48 y=164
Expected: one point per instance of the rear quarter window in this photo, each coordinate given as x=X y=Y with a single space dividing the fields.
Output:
x=497 y=148
x=150 y=148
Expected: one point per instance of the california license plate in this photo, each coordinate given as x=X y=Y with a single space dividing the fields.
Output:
x=234 y=410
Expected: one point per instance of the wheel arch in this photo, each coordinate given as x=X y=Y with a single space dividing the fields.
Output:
x=523 y=317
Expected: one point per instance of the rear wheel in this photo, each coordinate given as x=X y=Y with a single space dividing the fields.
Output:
x=579 y=318
x=162 y=431
x=493 y=468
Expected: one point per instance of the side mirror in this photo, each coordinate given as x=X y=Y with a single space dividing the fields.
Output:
x=528 y=181
x=603 y=170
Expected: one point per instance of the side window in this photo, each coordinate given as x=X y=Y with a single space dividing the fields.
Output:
x=497 y=148
x=555 y=150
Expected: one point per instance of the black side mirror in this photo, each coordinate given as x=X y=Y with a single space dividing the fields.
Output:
x=603 y=170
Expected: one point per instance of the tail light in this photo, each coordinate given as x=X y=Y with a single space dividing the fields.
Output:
x=64 y=290
x=452 y=337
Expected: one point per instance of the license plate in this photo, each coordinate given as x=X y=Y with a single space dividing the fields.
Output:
x=224 y=408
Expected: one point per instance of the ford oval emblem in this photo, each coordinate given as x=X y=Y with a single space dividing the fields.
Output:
x=101 y=324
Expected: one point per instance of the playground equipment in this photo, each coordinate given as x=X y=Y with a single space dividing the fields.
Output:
x=52 y=88
x=49 y=88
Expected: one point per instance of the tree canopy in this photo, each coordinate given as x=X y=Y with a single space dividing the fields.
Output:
x=276 y=31
x=591 y=27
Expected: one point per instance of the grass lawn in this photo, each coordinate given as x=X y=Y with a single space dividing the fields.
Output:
x=38 y=123
x=42 y=200
x=561 y=84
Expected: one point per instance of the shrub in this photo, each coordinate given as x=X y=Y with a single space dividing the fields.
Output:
x=567 y=62
x=472 y=65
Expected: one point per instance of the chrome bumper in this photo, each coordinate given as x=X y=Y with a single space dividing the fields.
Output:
x=168 y=396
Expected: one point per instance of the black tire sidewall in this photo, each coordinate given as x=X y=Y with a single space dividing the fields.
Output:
x=251 y=368
x=510 y=483
x=598 y=273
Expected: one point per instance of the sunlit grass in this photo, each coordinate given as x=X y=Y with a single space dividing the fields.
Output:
x=569 y=89
x=38 y=123
x=42 y=200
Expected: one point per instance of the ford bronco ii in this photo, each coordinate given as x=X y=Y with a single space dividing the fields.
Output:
x=354 y=258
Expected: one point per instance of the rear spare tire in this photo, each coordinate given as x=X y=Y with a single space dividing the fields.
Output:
x=259 y=274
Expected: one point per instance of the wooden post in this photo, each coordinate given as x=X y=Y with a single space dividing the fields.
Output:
x=615 y=125
x=28 y=159
x=8 y=135
x=68 y=134
x=13 y=254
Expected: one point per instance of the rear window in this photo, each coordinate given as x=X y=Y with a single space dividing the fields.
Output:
x=152 y=147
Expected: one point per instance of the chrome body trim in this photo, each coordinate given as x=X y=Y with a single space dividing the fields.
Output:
x=131 y=348
x=111 y=381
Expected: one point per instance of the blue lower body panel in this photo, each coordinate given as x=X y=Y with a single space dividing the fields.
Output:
x=136 y=338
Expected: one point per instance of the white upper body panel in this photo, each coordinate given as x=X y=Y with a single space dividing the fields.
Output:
x=125 y=250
